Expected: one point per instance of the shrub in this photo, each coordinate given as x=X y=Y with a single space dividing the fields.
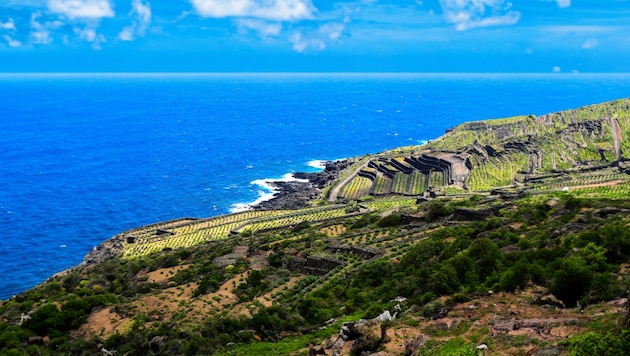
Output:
x=303 y=225
x=390 y=220
x=438 y=209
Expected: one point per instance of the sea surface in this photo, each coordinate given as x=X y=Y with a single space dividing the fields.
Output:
x=86 y=156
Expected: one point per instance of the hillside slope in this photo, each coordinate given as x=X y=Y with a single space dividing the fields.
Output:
x=501 y=237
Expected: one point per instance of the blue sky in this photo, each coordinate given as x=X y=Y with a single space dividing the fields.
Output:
x=315 y=36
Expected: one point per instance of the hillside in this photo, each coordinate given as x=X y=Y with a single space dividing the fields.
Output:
x=501 y=237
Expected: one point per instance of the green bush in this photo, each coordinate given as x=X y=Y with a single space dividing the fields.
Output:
x=390 y=220
x=438 y=209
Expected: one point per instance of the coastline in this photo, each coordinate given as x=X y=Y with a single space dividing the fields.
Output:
x=297 y=190
x=292 y=191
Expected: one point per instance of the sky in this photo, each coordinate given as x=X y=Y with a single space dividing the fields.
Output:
x=524 y=36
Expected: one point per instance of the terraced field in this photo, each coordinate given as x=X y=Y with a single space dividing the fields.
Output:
x=399 y=175
x=190 y=232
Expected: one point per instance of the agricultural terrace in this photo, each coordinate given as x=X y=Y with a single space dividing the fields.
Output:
x=190 y=232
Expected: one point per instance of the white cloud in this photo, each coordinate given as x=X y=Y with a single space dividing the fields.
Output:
x=467 y=14
x=332 y=30
x=317 y=40
x=90 y=35
x=263 y=28
x=279 y=10
x=11 y=42
x=88 y=9
x=141 y=13
x=9 y=25
x=302 y=43
x=555 y=69
x=563 y=3
x=590 y=43
x=40 y=32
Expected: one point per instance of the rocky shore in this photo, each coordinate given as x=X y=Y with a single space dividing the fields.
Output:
x=298 y=194
x=291 y=195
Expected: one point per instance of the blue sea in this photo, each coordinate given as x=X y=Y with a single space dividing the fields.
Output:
x=86 y=156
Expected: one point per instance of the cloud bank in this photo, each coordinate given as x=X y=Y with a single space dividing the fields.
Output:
x=278 y=10
x=86 y=9
x=468 y=14
x=563 y=3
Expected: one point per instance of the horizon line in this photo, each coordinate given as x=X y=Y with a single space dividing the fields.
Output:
x=306 y=73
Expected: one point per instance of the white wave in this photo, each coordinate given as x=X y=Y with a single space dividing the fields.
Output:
x=267 y=192
x=318 y=163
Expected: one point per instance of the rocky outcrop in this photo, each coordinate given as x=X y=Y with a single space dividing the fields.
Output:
x=536 y=326
x=298 y=194
x=361 y=334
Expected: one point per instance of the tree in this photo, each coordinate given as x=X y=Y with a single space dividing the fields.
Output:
x=571 y=280
x=486 y=256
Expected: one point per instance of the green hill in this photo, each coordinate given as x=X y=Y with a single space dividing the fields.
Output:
x=501 y=237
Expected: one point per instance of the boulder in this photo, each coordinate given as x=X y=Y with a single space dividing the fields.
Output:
x=412 y=347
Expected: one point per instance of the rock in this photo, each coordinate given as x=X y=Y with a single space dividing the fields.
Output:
x=298 y=194
x=348 y=331
x=316 y=350
x=363 y=337
x=367 y=340
x=385 y=316
x=413 y=346
x=618 y=303
x=605 y=212
x=549 y=351
x=548 y=299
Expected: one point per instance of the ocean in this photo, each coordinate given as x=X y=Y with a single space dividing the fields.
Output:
x=86 y=156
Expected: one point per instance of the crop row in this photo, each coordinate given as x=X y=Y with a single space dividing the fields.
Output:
x=585 y=181
x=418 y=183
x=387 y=203
x=383 y=185
x=225 y=219
x=436 y=179
x=487 y=174
x=401 y=183
x=145 y=246
x=358 y=187
x=294 y=219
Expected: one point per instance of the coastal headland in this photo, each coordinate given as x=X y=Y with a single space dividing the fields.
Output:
x=505 y=236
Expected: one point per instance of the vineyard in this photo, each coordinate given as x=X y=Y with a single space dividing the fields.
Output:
x=190 y=232
x=294 y=218
x=398 y=175
x=611 y=182
x=382 y=186
x=357 y=188
x=401 y=183
x=418 y=183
